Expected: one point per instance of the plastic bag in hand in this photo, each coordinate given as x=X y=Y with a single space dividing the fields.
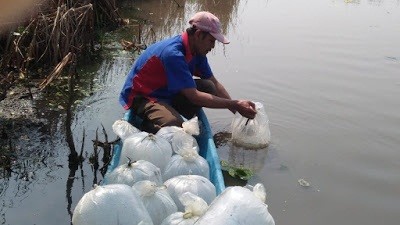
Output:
x=252 y=133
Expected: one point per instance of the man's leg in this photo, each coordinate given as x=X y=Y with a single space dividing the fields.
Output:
x=185 y=107
x=155 y=114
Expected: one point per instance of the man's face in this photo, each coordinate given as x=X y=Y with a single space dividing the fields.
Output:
x=204 y=43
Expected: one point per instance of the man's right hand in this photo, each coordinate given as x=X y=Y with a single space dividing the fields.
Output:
x=246 y=108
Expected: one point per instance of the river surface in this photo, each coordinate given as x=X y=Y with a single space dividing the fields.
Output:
x=328 y=74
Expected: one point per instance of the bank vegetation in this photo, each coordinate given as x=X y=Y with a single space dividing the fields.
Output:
x=51 y=36
x=36 y=48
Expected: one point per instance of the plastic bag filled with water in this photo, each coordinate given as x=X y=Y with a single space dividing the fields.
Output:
x=252 y=133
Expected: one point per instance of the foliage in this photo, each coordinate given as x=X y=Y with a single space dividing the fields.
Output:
x=237 y=172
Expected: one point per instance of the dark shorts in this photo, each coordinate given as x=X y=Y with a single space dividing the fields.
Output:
x=160 y=114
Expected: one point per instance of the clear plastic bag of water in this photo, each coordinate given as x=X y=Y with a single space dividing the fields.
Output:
x=252 y=133
x=238 y=205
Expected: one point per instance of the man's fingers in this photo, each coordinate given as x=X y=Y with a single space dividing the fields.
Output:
x=253 y=105
x=247 y=109
x=250 y=113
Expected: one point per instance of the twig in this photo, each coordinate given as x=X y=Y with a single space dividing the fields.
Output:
x=82 y=147
x=57 y=71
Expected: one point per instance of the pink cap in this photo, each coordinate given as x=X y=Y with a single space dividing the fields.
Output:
x=206 y=21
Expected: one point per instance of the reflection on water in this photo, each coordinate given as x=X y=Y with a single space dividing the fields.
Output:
x=27 y=158
x=66 y=152
x=238 y=157
x=170 y=18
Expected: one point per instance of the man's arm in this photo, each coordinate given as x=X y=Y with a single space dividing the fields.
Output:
x=244 y=107
x=221 y=91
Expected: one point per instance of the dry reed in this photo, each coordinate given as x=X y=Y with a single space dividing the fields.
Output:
x=58 y=29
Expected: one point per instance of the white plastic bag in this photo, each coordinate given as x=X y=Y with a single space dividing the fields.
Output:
x=182 y=141
x=258 y=191
x=252 y=133
x=168 y=132
x=191 y=126
x=194 y=208
x=146 y=146
x=181 y=138
x=238 y=206
x=111 y=204
x=195 y=184
x=124 y=129
x=132 y=172
x=187 y=162
x=156 y=199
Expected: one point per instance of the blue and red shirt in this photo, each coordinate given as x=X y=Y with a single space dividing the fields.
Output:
x=163 y=70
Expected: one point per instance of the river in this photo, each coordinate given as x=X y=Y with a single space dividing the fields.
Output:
x=327 y=73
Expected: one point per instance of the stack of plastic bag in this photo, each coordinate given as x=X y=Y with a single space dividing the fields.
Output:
x=252 y=133
x=238 y=206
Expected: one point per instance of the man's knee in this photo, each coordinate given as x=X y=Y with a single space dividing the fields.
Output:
x=164 y=115
x=154 y=125
x=171 y=120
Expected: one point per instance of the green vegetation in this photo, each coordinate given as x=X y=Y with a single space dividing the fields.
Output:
x=237 y=172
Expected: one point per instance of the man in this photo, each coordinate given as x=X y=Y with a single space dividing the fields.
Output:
x=160 y=87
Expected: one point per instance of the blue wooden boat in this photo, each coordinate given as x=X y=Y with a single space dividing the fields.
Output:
x=206 y=145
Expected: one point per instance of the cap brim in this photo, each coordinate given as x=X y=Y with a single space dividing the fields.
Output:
x=221 y=38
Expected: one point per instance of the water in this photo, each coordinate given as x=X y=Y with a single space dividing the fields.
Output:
x=327 y=73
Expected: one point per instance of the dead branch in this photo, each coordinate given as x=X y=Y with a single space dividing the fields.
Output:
x=57 y=71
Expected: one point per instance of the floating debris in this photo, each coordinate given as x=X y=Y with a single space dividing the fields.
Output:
x=392 y=58
x=303 y=183
x=283 y=167
x=237 y=172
